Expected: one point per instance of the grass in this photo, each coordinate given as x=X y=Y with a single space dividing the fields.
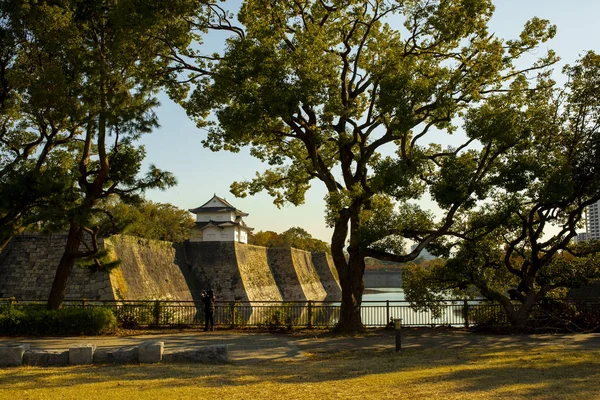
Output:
x=518 y=372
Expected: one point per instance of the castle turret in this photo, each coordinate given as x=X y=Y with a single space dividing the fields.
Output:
x=219 y=221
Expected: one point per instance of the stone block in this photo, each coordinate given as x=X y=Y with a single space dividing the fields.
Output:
x=122 y=355
x=100 y=356
x=216 y=354
x=46 y=358
x=12 y=355
x=82 y=354
x=151 y=352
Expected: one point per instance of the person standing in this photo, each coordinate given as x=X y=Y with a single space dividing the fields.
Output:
x=208 y=298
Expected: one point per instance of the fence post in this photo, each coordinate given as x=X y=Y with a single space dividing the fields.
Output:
x=11 y=302
x=387 y=313
x=310 y=313
x=398 y=329
x=83 y=303
x=157 y=312
x=466 y=312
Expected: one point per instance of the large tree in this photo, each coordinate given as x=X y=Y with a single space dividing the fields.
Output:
x=519 y=248
x=109 y=63
x=351 y=93
x=38 y=106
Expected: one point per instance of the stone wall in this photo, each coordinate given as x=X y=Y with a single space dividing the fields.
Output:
x=295 y=274
x=214 y=266
x=161 y=270
x=149 y=270
x=28 y=265
x=328 y=275
x=257 y=278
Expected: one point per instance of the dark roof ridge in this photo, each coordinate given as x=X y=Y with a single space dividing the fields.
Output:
x=222 y=200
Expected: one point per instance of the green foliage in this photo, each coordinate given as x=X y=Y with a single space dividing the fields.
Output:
x=295 y=237
x=36 y=320
x=518 y=245
x=338 y=92
x=147 y=220
x=81 y=79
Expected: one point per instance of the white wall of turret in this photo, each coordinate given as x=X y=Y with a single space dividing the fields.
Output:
x=222 y=216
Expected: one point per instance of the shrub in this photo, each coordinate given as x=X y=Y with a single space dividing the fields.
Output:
x=35 y=320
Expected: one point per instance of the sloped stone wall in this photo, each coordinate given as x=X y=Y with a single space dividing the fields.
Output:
x=257 y=278
x=214 y=266
x=328 y=275
x=161 y=270
x=28 y=265
x=149 y=270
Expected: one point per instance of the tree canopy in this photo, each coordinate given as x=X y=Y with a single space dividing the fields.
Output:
x=358 y=95
x=148 y=220
x=294 y=237
x=80 y=88
x=519 y=246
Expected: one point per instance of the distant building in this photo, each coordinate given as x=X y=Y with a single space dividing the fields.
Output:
x=219 y=221
x=427 y=256
x=592 y=223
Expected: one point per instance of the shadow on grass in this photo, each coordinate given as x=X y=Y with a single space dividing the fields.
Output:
x=524 y=368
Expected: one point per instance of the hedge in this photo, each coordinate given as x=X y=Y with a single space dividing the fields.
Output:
x=34 y=320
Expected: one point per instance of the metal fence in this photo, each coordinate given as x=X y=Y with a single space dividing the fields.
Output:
x=301 y=313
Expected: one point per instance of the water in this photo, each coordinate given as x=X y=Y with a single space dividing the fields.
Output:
x=383 y=294
x=374 y=310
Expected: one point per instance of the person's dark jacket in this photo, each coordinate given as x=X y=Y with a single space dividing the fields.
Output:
x=209 y=303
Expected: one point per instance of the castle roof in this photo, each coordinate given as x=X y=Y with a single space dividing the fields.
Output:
x=221 y=224
x=215 y=205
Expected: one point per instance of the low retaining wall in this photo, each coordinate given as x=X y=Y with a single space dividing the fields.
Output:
x=146 y=352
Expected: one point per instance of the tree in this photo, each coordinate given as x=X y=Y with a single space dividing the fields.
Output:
x=38 y=104
x=111 y=62
x=148 y=220
x=338 y=92
x=294 y=237
x=266 y=239
x=507 y=252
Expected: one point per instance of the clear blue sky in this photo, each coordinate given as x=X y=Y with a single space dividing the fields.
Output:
x=176 y=146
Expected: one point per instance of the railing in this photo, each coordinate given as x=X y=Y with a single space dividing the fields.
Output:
x=296 y=313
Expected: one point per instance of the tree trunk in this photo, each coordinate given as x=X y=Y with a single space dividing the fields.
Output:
x=65 y=266
x=519 y=317
x=352 y=291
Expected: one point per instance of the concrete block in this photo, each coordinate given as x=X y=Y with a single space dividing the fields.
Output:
x=12 y=355
x=151 y=352
x=216 y=354
x=82 y=354
x=122 y=355
x=46 y=358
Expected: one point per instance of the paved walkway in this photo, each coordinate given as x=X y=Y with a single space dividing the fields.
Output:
x=254 y=347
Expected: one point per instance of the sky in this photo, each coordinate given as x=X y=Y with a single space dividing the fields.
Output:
x=176 y=145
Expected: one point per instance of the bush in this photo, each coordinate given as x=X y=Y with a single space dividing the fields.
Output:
x=36 y=320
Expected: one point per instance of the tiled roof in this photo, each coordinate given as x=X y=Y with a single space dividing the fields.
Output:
x=226 y=208
x=221 y=224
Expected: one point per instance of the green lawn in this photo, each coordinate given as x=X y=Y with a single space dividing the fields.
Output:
x=517 y=372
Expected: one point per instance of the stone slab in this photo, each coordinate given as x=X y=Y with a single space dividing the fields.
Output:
x=215 y=354
x=151 y=352
x=46 y=358
x=121 y=355
x=12 y=355
x=82 y=354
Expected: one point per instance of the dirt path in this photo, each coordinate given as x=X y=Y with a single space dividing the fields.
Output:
x=254 y=346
